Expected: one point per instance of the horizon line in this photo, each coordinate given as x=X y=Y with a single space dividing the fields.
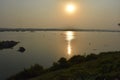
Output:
x=55 y=29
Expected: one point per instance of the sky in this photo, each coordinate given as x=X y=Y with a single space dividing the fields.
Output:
x=95 y=14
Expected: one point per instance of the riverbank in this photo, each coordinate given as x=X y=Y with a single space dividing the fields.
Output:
x=92 y=67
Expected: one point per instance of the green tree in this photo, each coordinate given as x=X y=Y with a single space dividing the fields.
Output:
x=63 y=62
x=76 y=59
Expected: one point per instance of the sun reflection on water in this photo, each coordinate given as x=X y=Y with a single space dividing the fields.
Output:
x=69 y=38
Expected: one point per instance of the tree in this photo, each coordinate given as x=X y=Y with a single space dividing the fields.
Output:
x=63 y=63
x=76 y=59
x=91 y=57
x=33 y=71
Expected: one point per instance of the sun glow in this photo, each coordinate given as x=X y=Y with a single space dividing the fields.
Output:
x=69 y=48
x=70 y=8
x=69 y=38
x=70 y=35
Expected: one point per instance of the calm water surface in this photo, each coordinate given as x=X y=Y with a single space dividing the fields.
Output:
x=46 y=47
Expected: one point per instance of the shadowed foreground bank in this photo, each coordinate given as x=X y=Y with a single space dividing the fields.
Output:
x=104 y=66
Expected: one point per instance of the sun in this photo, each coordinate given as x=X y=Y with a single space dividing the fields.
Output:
x=70 y=8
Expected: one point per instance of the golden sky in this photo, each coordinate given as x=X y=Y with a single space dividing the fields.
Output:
x=51 y=13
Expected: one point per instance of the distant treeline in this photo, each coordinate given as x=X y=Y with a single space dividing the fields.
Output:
x=55 y=29
x=104 y=66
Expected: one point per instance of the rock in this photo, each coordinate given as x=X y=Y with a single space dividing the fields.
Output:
x=21 y=49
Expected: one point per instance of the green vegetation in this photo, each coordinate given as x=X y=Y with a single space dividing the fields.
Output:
x=33 y=71
x=104 y=66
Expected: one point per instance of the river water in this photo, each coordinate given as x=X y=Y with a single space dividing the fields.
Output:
x=45 y=48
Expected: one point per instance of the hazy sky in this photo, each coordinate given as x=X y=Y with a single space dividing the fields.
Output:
x=50 y=13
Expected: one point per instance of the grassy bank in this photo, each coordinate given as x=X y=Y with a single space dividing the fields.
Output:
x=105 y=65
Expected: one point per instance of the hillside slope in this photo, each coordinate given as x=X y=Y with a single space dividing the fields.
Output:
x=104 y=66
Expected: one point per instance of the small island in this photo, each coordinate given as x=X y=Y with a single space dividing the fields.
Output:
x=7 y=44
